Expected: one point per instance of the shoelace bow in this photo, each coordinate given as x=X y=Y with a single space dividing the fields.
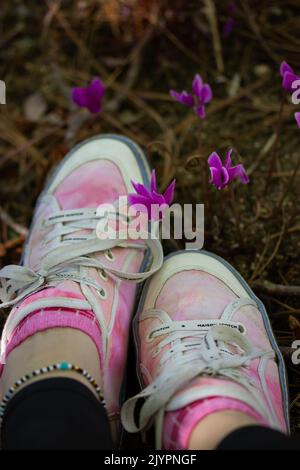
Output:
x=197 y=348
x=68 y=252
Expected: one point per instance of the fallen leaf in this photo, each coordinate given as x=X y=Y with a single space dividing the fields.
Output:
x=35 y=107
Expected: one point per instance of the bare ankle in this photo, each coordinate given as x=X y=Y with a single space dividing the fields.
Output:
x=51 y=347
x=212 y=429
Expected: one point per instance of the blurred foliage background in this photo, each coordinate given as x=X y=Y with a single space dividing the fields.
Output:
x=141 y=49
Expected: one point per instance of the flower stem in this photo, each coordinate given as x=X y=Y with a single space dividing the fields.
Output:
x=205 y=178
x=276 y=143
x=237 y=217
x=289 y=185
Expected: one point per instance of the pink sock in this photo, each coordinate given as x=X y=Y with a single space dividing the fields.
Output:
x=41 y=320
x=179 y=424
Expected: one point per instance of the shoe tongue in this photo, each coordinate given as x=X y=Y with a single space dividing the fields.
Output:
x=111 y=226
x=114 y=218
x=108 y=224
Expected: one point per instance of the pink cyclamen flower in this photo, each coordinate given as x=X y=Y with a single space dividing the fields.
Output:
x=288 y=76
x=297 y=117
x=221 y=174
x=202 y=94
x=149 y=200
x=90 y=97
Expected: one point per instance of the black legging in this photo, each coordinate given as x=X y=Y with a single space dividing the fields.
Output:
x=57 y=413
x=61 y=413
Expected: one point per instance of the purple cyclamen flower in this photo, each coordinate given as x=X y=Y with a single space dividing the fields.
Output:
x=221 y=174
x=297 y=117
x=228 y=27
x=89 y=97
x=229 y=23
x=288 y=76
x=202 y=94
x=146 y=198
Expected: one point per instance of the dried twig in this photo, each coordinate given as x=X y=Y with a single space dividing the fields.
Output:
x=7 y=219
x=10 y=244
x=210 y=11
x=270 y=288
x=275 y=148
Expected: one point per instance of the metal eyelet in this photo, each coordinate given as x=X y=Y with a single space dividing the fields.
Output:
x=102 y=293
x=103 y=275
x=242 y=329
x=109 y=255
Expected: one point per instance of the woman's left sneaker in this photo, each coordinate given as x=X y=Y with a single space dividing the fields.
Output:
x=69 y=277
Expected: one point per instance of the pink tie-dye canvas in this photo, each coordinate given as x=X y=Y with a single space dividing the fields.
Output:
x=191 y=287
x=98 y=179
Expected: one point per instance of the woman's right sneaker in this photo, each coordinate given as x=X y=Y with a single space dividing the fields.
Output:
x=203 y=336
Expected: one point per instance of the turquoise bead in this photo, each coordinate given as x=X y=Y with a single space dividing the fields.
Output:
x=64 y=366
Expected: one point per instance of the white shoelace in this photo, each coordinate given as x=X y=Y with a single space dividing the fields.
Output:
x=67 y=256
x=198 y=348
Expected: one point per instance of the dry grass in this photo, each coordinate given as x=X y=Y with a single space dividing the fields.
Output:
x=141 y=52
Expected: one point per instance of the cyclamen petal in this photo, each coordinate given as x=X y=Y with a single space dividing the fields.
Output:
x=285 y=67
x=206 y=94
x=221 y=174
x=187 y=99
x=202 y=94
x=175 y=95
x=288 y=76
x=141 y=189
x=197 y=85
x=216 y=177
x=183 y=98
x=169 y=192
x=215 y=161
x=89 y=97
x=229 y=24
x=288 y=80
x=228 y=158
x=297 y=117
x=238 y=171
x=142 y=203
x=95 y=93
x=96 y=89
x=157 y=198
x=224 y=176
x=151 y=197
x=231 y=8
x=79 y=96
x=228 y=27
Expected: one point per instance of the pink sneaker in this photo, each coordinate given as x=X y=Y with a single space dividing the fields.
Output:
x=70 y=276
x=201 y=332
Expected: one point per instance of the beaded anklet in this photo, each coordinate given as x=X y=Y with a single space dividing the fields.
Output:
x=62 y=366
